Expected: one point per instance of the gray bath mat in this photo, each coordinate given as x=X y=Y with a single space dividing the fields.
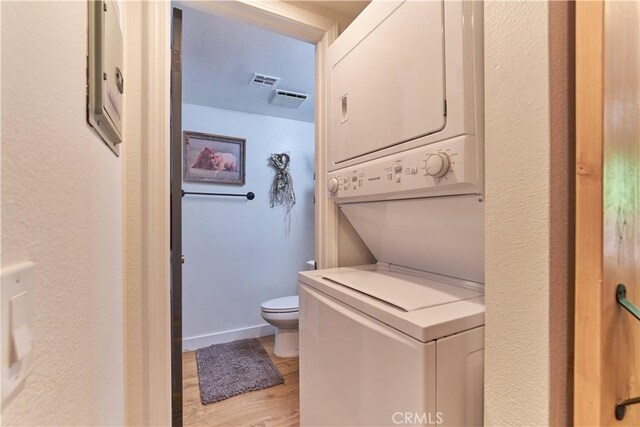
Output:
x=229 y=369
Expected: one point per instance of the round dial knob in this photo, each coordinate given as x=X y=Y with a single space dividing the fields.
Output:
x=437 y=165
x=333 y=184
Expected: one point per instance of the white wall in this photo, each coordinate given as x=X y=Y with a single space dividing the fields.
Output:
x=237 y=252
x=62 y=209
x=526 y=222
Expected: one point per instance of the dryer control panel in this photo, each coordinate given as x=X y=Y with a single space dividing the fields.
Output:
x=431 y=170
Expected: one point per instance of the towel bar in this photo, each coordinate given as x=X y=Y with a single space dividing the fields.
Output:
x=249 y=195
x=621 y=407
x=621 y=297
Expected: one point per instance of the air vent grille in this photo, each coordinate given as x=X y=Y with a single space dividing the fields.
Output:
x=264 y=81
x=287 y=98
x=291 y=94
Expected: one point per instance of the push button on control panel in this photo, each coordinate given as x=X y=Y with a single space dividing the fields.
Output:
x=397 y=168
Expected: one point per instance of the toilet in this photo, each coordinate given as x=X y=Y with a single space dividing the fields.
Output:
x=283 y=314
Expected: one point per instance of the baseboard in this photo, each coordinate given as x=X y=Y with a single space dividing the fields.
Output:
x=199 y=341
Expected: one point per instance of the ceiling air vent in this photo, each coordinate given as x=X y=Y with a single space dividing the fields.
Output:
x=286 y=98
x=264 y=81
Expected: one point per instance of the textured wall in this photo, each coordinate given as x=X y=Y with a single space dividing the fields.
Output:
x=519 y=245
x=62 y=209
x=237 y=252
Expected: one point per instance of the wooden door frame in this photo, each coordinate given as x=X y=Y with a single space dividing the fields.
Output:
x=589 y=211
x=277 y=16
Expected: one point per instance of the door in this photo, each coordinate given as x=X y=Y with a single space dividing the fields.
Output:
x=387 y=78
x=176 y=217
x=607 y=337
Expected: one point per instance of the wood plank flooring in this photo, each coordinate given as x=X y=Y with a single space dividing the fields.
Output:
x=275 y=406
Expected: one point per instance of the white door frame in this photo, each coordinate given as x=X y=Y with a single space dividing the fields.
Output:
x=274 y=15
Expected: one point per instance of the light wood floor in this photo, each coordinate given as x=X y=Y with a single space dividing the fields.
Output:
x=275 y=406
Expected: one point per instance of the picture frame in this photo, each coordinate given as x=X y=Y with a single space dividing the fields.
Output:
x=217 y=159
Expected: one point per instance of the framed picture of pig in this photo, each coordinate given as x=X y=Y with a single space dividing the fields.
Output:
x=213 y=158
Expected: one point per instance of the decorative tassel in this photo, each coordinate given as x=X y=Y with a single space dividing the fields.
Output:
x=281 y=192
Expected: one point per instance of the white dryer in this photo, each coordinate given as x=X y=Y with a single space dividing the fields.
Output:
x=401 y=342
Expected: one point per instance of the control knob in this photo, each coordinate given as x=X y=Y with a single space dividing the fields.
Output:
x=437 y=165
x=333 y=184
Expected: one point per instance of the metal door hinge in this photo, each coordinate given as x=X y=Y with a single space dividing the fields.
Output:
x=175 y=60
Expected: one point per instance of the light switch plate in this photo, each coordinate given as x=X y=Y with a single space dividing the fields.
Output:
x=17 y=313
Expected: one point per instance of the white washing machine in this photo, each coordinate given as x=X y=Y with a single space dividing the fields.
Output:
x=401 y=342
x=392 y=344
x=379 y=347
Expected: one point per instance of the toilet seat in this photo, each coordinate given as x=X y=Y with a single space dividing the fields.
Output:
x=281 y=305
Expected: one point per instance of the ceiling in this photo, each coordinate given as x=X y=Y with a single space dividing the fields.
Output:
x=341 y=11
x=220 y=57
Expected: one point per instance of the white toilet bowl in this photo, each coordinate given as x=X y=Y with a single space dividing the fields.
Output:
x=283 y=314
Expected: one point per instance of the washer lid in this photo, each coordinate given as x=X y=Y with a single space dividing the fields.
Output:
x=422 y=308
x=405 y=292
x=280 y=305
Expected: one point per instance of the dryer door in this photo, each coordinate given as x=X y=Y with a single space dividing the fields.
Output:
x=387 y=78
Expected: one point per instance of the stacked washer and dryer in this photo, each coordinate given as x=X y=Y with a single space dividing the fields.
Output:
x=401 y=342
